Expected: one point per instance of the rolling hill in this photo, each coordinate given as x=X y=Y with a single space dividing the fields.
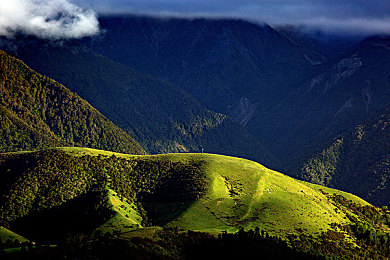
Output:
x=276 y=86
x=38 y=112
x=101 y=192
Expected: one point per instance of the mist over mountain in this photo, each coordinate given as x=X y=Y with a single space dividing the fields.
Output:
x=328 y=44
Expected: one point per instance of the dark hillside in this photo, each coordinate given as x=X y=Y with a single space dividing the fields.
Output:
x=41 y=189
x=347 y=92
x=358 y=162
x=218 y=61
x=274 y=83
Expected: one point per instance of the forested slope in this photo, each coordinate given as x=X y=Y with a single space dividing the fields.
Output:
x=36 y=112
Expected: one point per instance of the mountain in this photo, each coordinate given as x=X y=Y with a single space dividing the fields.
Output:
x=159 y=115
x=293 y=92
x=305 y=40
x=357 y=162
x=238 y=68
x=37 y=112
x=221 y=62
x=46 y=195
x=347 y=91
x=331 y=46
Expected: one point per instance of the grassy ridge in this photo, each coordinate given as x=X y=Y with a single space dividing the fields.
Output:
x=202 y=192
x=245 y=194
x=146 y=200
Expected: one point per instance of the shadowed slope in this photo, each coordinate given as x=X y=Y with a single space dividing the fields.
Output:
x=357 y=161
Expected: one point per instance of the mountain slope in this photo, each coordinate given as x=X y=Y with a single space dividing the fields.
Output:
x=37 y=112
x=346 y=92
x=162 y=117
x=357 y=162
x=276 y=84
x=218 y=61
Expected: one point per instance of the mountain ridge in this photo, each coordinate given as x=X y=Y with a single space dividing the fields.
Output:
x=210 y=55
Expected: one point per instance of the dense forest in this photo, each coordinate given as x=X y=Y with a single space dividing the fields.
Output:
x=76 y=183
x=37 y=112
x=172 y=243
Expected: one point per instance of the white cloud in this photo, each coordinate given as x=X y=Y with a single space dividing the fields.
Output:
x=351 y=26
x=54 y=19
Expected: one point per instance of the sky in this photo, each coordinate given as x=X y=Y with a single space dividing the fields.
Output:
x=78 y=18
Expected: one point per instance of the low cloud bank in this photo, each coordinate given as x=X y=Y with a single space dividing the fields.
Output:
x=49 y=19
x=353 y=17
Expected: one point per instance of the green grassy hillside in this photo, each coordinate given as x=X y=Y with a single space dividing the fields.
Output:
x=37 y=112
x=193 y=191
x=8 y=235
x=47 y=195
